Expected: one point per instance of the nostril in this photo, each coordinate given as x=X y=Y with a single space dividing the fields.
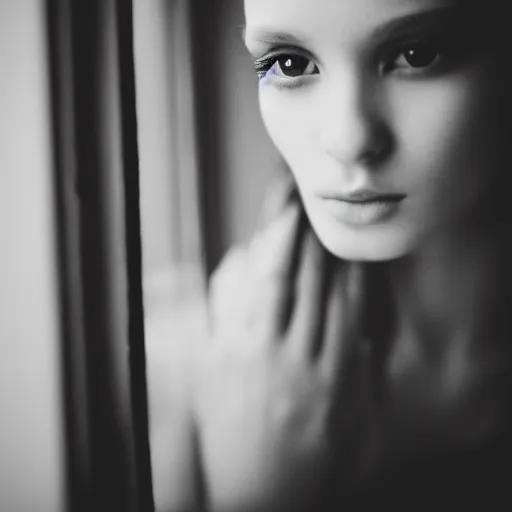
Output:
x=379 y=150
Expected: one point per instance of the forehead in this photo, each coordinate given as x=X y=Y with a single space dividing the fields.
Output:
x=332 y=18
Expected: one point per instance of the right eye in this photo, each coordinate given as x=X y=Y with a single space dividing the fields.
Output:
x=294 y=65
x=286 y=66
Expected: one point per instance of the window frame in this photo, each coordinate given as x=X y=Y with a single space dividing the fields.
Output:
x=99 y=253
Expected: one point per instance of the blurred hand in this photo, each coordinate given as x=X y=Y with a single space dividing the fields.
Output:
x=279 y=378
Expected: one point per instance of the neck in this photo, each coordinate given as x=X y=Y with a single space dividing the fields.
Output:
x=454 y=285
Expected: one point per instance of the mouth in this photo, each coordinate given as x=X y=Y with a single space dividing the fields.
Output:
x=366 y=196
x=363 y=207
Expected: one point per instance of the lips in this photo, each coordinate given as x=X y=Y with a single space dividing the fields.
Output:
x=366 y=196
x=363 y=207
x=369 y=197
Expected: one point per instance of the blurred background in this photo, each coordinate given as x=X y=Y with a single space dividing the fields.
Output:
x=203 y=148
x=205 y=162
x=205 y=165
x=31 y=426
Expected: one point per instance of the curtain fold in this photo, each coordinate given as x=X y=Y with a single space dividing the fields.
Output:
x=174 y=281
x=95 y=141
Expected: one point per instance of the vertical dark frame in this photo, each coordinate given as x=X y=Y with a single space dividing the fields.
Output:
x=96 y=170
x=134 y=252
x=204 y=19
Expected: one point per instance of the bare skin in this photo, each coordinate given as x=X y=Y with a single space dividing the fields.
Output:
x=277 y=364
x=341 y=360
x=272 y=390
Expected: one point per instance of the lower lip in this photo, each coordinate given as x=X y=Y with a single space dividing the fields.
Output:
x=363 y=213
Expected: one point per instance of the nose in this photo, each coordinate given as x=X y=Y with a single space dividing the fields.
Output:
x=354 y=129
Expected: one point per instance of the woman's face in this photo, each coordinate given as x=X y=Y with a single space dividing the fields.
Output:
x=378 y=97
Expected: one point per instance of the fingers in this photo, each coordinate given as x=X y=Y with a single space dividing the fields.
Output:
x=224 y=289
x=251 y=287
x=344 y=314
x=273 y=267
x=308 y=318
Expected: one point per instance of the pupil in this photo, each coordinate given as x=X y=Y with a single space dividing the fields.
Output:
x=420 y=56
x=293 y=66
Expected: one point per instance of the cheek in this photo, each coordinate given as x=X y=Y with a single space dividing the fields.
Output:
x=445 y=156
x=291 y=120
x=447 y=145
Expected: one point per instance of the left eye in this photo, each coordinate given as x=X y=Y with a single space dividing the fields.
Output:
x=415 y=58
x=418 y=56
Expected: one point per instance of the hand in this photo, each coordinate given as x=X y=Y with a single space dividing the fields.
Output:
x=277 y=386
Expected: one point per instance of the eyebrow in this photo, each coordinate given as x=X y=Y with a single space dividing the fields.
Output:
x=390 y=29
x=433 y=17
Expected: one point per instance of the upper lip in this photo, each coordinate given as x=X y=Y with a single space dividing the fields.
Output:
x=365 y=195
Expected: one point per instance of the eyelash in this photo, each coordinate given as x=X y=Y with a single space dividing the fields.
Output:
x=443 y=52
x=265 y=65
x=446 y=54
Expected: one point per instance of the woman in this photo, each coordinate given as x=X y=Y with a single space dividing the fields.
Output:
x=359 y=348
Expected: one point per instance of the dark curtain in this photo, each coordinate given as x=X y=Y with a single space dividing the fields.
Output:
x=96 y=165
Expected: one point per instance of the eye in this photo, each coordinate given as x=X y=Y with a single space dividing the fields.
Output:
x=286 y=66
x=293 y=66
x=417 y=58
x=419 y=55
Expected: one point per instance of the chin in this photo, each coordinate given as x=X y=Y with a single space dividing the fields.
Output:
x=371 y=252
x=380 y=242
